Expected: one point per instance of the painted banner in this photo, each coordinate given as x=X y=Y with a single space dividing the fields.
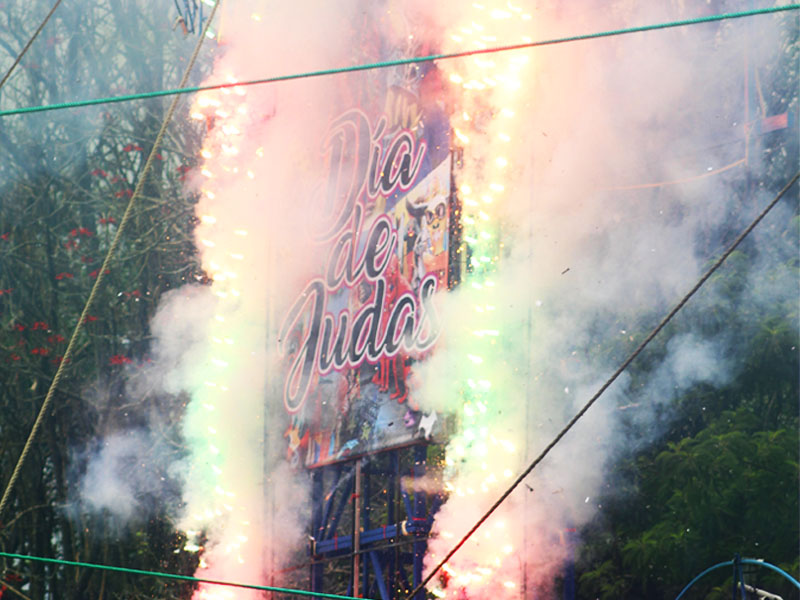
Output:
x=352 y=337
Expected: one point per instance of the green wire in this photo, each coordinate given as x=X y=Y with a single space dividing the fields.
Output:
x=250 y=586
x=351 y=69
x=403 y=61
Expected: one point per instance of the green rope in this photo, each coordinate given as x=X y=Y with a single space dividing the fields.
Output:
x=403 y=61
x=250 y=586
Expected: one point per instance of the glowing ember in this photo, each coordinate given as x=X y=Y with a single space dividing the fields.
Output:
x=480 y=458
x=216 y=498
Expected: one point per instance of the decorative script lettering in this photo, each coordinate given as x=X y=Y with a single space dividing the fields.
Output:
x=360 y=166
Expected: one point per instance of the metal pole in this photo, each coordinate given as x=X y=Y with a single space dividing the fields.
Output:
x=420 y=458
x=365 y=526
x=393 y=500
x=357 y=528
x=317 y=482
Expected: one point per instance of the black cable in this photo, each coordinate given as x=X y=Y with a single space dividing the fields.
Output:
x=606 y=385
x=30 y=41
x=321 y=559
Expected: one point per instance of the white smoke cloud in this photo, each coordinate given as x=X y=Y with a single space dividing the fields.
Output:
x=111 y=478
x=588 y=266
x=129 y=476
x=262 y=164
x=214 y=348
x=180 y=328
x=596 y=255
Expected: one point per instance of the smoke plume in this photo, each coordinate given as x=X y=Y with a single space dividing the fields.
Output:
x=595 y=179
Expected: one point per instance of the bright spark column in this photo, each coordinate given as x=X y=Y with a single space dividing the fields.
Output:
x=224 y=421
x=483 y=457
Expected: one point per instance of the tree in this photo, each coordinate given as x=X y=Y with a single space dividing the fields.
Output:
x=65 y=178
x=722 y=478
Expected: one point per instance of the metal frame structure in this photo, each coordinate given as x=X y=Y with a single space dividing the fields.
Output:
x=379 y=492
x=370 y=521
x=190 y=16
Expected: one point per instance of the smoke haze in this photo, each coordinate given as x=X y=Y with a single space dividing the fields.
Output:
x=619 y=176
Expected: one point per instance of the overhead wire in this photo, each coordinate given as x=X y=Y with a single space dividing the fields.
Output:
x=28 y=45
x=404 y=61
x=173 y=576
x=571 y=423
x=137 y=192
x=658 y=184
x=320 y=560
x=101 y=273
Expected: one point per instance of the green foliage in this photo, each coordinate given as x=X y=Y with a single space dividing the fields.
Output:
x=65 y=180
x=722 y=477
x=731 y=488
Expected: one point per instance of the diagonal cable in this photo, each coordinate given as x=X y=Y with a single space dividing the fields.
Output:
x=607 y=384
x=101 y=273
x=28 y=45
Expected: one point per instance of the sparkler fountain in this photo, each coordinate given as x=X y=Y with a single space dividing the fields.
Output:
x=484 y=455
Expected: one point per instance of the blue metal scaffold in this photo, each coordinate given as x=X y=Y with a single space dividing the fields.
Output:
x=370 y=512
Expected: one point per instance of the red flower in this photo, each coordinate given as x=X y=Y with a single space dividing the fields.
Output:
x=64 y=276
x=42 y=351
x=158 y=156
x=115 y=179
x=124 y=194
x=4 y=237
x=57 y=360
x=56 y=339
x=131 y=148
x=119 y=359
x=19 y=327
x=106 y=220
x=87 y=260
x=183 y=170
x=71 y=245
x=90 y=318
x=96 y=272
x=133 y=294
x=39 y=325
x=13 y=357
x=100 y=173
x=8 y=291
